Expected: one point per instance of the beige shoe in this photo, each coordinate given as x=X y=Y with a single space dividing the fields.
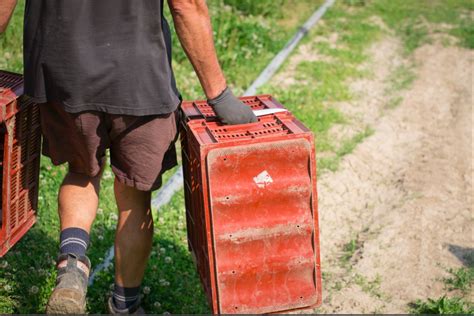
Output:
x=69 y=295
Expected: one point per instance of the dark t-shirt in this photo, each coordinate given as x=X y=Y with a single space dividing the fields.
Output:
x=106 y=55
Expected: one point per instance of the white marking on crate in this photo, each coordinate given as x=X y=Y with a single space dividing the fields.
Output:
x=263 y=179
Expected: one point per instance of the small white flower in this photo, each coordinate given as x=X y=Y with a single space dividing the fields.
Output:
x=161 y=220
x=4 y=264
x=7 y=287
x=168 y=259
x=146 y=290
x=154 y=268
x=100 y=211
x=113 y=216
x=112 y=286
x=34 y=289
x=170 y=246
x=157 y=304
x=166 y=313
x=100 y=237
x=166 y=283
x=162 y=250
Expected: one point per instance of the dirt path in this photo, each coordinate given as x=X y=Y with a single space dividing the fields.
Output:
x=404 y=196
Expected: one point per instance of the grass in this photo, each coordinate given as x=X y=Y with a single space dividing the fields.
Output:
x=371 y=287
x=410 y=19
x=348 y=251
x=348 y=145
x=11 y=49
x=321 y=83
x=401 y=78
x=460 y=279
x=442 y=305
x=398 y=81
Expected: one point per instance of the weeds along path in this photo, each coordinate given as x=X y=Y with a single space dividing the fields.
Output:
x=398 y=211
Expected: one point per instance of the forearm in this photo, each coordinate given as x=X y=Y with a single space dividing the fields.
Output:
x=193 y=26
x=6 y=10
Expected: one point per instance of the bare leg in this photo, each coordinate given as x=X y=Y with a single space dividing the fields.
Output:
x=134 y=234
x=78 y=201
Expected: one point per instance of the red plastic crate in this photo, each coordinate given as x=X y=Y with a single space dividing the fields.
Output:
x=201 y=109
x=251 y=209
x=20 y=145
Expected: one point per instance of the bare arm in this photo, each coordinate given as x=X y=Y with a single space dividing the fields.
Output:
x=193 y=26
x=6 y=10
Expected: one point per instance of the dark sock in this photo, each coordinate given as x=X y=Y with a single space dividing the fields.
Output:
x=124 y=297
x=74 y=240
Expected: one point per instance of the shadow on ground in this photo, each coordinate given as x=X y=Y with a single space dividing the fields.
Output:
x=171 y=283
x=464 y=254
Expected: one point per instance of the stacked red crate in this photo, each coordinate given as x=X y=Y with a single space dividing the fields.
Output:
x=251 y=209
x=20 y=145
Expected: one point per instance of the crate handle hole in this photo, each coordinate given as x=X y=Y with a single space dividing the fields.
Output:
x=233 y=271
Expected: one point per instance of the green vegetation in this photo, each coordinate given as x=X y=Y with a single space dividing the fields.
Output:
x=460 y=282
x=11 y=43
x=349 y=250
x=399 y=80
x=348 y=145
x=411 y=19
x=343 y=39
x=442 y=305
x=461 y=279
x=371 y=287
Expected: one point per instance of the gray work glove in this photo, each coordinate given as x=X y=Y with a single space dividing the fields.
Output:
x=230 y=110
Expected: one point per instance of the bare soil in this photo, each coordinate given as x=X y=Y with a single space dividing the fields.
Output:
x=404 y=196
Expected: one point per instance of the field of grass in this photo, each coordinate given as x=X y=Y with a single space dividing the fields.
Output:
x=248 y=34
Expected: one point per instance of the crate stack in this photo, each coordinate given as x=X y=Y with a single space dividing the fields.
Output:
x=20 y=146
x=251 y=209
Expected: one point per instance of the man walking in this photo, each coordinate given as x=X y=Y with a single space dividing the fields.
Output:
x=101 y=71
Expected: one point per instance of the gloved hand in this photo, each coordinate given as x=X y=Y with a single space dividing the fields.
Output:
x=230 y=110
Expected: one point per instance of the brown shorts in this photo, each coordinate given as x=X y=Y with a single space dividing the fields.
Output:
x=141 y=147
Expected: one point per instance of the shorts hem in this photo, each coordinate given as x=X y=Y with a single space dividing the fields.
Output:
x=141 y=186
x=71 y=169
